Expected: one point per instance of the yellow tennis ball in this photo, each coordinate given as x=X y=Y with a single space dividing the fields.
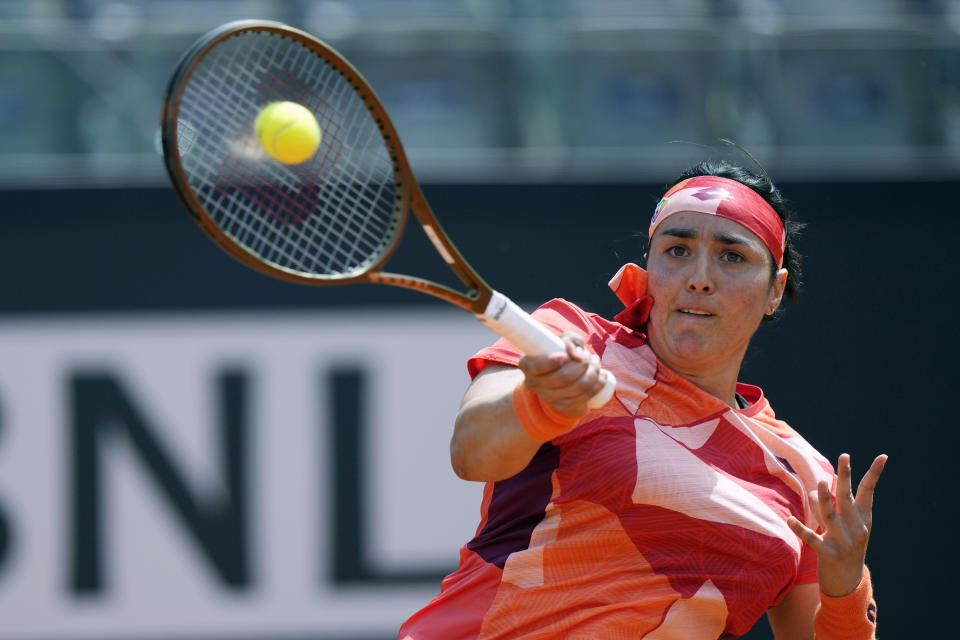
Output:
x=287 y=131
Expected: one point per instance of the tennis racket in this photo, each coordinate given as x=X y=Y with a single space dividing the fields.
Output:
x=333 y=219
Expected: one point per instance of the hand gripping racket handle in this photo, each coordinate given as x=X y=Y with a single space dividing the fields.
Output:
x=516 y=325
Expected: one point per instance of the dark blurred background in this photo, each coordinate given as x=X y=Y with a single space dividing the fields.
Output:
x=543 y=133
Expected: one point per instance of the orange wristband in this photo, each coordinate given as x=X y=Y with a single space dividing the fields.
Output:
x=849 y=617
x=541 y=421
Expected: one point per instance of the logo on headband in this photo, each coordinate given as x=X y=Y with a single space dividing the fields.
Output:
x=711 y=193
x=660 y=205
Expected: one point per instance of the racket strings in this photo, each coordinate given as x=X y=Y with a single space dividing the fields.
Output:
x=370 y=140
x=330 y=216
x=284 y=200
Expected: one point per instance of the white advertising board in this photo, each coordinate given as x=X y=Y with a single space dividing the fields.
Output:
x=193 y=475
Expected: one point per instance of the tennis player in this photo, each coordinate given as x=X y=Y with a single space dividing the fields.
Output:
x=684 y=509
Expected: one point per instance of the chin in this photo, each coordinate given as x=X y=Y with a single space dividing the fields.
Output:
x=692 y=357
x=696 y=348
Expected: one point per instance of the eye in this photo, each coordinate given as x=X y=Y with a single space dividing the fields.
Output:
x=733 y=257
x=677 y=251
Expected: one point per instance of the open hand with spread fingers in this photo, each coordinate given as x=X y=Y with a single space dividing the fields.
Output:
x=842 y=547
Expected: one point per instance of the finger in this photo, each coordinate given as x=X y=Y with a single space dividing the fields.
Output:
x=601 y=380
x=576 y=347
x=581 y=379
x=845 y=504
x=571 y=399
x=828 y=515
x=594 y=378
x=542 y=365
x=567 y=383
x=805 y=533
x=568 y=376
x=575 y=338
x=599 y=385
x=868 y=484
x=574 y=375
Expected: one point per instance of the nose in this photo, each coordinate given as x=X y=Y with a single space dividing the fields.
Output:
x=700 y=279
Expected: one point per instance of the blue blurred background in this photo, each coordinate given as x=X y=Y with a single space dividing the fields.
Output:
x=192 y=450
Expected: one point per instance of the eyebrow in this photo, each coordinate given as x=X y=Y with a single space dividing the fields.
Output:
x=689 y=233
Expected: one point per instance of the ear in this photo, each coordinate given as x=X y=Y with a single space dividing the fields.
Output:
x=776 y=291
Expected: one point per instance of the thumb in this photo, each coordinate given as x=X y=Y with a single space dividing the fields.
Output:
x=576 y=347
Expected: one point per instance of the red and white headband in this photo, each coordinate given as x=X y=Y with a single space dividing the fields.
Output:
x=729 y=199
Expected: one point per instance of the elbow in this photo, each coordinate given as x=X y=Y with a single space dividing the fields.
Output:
x=459 y=461
x=460 y=458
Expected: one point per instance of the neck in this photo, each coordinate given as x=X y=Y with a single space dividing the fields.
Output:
x=717 y=379
x=720 y=385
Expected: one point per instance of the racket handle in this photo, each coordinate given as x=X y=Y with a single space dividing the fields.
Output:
x=519 y=327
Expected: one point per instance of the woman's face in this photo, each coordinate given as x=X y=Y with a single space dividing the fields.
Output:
x=710 y=281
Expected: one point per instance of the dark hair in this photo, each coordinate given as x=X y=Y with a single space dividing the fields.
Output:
x=763 y=185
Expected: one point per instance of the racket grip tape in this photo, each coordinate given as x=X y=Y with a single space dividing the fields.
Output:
x=525 y=333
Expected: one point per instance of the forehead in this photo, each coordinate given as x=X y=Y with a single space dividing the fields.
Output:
x=706 y=226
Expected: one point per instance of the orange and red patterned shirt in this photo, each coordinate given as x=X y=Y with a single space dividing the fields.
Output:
x=660 y=516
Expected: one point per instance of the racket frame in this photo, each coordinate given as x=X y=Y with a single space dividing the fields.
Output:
x=408 y=198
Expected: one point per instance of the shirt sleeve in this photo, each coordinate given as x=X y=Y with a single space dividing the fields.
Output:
x=807 y=571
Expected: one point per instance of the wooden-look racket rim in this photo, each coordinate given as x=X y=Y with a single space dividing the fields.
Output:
x=403 y=175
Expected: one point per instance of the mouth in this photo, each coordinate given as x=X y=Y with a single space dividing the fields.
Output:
x=697 y=313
